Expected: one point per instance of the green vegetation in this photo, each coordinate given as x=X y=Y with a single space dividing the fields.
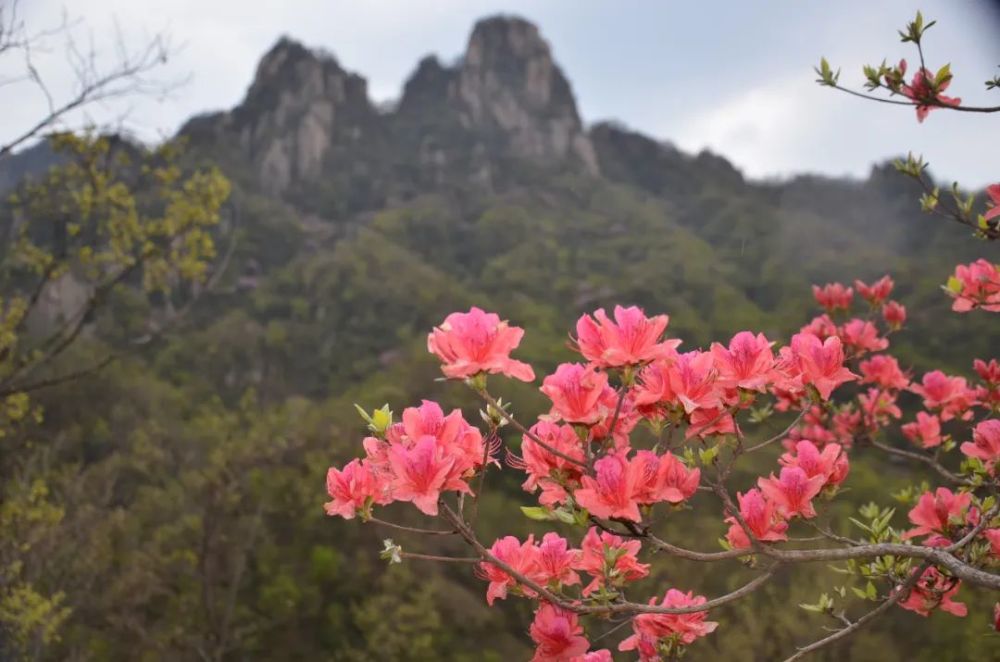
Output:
x=168 y=506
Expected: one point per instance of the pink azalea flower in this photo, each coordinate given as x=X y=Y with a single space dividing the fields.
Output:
x=760 y=516
x=978 y=286
x=936 y=513
x=693 y=381
x=822 y=327
x=747 y=363
x=894 y=314
x=793 y=492
x=878 y=407
x=821 y=363
x=985 y=443
x=831 y=464
x=921 y=91
x=883 y=370
x=951 y=395
x=862 y=336
x=603 y=655
x=631 y=339
x=934 y=591
x=993 y=191
x=833 y=296
x=350 y=488
x=988 y=372
x=993 y=536
x=576 y=392
x=925 y=431
x=421 y=473
x=455 y=437
x=547 y=471
x=653 y=387
x=477 y=341
x=846 y=425
x=556 y=561
x=522 y=557
x=613 y=492
x=557 y=634
x=687 y=628
x=628 y=418
x=610 y=560
x=877 y=292
x=663 y=478
x=705 y=422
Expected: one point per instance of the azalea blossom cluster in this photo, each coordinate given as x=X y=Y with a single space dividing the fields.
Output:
x=977 y=285
x=637 y=427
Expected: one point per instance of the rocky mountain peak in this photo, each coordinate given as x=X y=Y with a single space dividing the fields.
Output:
x=510 y=86
x=301 y=102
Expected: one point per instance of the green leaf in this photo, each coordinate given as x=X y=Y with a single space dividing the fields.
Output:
x=536 y=513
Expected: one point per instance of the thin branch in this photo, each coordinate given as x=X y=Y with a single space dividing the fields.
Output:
x=933 y=103
x=783 y=433
x=896 y=596
x=613 y=608
x=445 y=559
x=412 y=529
x=926 y=459
x=525 y=431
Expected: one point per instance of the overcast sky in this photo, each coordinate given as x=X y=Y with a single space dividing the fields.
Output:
x=735 y=77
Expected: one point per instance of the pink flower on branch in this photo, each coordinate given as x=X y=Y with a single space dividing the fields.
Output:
x=556 y=561
x=793 y=492
x=985 y=443
x=862 y=336
x=993 y=191
x=831 y=464
x=686 y=628
x=350 y=489
x=925 y=91
x=663 y=478
x=551 y=473
x=576 y=392
x=523 y=558
x=877 y=292
x=761 y=517
x=612 y=493
x=631 y=339
x=883 y=370
x=833 y=296
x=422 y=473
x=925 y=431
x=747 y=363
x=951 y=396
x=558 y=635
x=475 y=342
x=936 y=514
x=610 y=560
x=894 y=314
x=934 y=591
x=975 y=285
x=819 y=363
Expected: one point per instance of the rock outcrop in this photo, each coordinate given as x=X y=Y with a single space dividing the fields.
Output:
x=505 y=103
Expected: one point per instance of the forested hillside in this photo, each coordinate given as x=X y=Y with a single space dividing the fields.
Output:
x=187 y=476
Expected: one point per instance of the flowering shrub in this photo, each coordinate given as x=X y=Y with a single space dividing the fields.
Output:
x=637 y=428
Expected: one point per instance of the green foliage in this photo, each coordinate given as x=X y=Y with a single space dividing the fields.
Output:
x=181 y=515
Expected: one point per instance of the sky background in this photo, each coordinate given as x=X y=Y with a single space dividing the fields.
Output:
x=734 y=77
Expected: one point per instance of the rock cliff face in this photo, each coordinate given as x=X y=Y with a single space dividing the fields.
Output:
x=505 y=103
x=299 y=109
x=510 y=89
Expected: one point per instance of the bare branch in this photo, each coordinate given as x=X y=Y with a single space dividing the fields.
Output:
x=896 y=596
